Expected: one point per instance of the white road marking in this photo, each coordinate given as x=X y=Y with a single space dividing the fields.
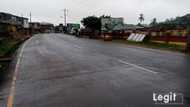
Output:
x=136 y=66
x=76 y=46
x=10 y=99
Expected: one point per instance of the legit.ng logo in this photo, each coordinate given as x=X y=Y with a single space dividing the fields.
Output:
x=167 y=98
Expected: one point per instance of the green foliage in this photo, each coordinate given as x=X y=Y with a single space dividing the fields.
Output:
x=178 y=22
x=141 y=18
x=92 y=22
x=163 y=46
x=105 y=16
x=154 y=22
x=8 y=46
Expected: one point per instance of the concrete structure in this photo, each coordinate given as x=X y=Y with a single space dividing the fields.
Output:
x=46 y=27
x=128 y=27
x=13 y=20
x=12 y=24
x=34 y=27
x=41 y=27
x=25 y=23
x=136 y=37
x=60 y=28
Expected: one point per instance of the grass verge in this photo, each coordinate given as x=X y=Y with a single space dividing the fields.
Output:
x=154 y=45
x=7 y=48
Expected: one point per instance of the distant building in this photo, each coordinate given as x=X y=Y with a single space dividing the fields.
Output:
x=131 y=27
x=46 y=27
x=60 y=28
x=34 y=27
x=41 y=27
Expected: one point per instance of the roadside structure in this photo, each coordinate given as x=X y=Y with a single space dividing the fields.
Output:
x=46 y=27
x=112 y=27
x=41 y=27
x=110 y=24
x=188 y=42
x=60 y=28
x=34 y=27
x=131 y=27
x=11 y=25
x=73 y=28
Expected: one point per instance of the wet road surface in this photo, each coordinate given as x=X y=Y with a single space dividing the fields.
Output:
x=58 y=70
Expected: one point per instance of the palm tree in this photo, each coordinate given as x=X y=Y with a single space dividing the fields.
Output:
x=154 y=22
x=141 y=18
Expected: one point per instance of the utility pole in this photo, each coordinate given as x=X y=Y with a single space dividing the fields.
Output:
x=30 y=17
x=65 y=16
x=22 y=19
x=30 y=28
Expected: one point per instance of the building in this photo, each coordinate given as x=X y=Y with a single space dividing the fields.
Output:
x=46 y=27
x=14 y=20
x=34 y=27
x=9 y=24
x=130 y=28
x=41 y=27
x=60 y=28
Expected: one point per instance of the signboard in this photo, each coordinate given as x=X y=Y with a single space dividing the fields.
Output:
x=136 y=37
x=73 y=26
x=112 y=24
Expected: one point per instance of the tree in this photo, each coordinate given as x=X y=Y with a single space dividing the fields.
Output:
x=173 y=23
x=154 y=22
x=141 y=18
x=105 y=16
x=167 y=24
x=92 y=22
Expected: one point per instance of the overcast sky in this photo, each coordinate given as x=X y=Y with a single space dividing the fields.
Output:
x=51 y=10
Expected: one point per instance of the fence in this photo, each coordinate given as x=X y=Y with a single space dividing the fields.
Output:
x=170 y=38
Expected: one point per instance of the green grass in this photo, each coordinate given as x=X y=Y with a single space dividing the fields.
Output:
x=7 y=48
x=163 y=46
x=3 y=68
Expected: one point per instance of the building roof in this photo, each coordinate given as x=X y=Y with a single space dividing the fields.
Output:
x=8 y=18
x=4 y=13
x=132 y=27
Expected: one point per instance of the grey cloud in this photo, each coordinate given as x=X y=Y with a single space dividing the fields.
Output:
x=50 y=10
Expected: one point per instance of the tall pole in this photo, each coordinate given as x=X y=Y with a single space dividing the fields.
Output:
x=30 y=17
x=30 y=28
x=22 y=19
x=65 y=16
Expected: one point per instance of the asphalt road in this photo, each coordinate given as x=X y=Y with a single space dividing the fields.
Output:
x=57 y=70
